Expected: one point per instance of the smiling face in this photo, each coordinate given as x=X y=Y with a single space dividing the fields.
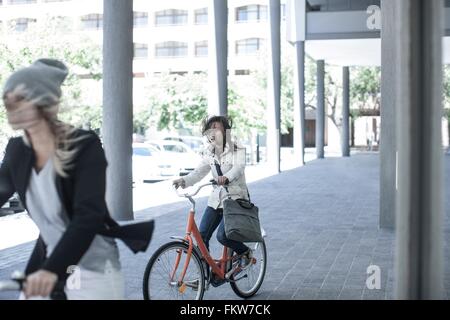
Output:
x=216 y=133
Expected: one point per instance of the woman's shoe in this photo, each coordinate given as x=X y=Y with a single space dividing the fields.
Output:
x=246 y=259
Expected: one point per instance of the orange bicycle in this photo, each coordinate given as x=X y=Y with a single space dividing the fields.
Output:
x=181 y=270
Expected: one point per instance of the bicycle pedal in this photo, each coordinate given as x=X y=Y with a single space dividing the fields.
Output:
x=231 y=272
x=240 y=278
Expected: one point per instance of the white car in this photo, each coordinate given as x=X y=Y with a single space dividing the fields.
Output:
x=149 y=164
x=179 y=155
x=12 y=206
x=197 y=144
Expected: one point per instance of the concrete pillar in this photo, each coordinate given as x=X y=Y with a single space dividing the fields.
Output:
x=345 y=134
x=296 y=35
x=218 y=57
x=320 y=110
x=274 y=88
x=117 y=127
x=299 y=103
x=388 y=149
x=419 y=251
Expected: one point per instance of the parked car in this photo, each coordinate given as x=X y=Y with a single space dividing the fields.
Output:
x=195 y=143
x=178 y=154
x=12 y=206
x=150 y=164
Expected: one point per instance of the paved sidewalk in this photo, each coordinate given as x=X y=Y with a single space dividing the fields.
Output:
x=322 y=225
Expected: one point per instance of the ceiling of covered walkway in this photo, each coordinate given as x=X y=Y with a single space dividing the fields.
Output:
x=337 y=33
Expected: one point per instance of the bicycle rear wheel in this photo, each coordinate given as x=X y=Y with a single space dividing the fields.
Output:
x=250 y=280
x=162 y=274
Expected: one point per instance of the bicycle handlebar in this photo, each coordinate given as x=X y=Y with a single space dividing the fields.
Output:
x=187 y=195
x=10 y=285
x=15 y=284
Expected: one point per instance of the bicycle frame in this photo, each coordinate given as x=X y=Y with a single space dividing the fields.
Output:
x=218 y=267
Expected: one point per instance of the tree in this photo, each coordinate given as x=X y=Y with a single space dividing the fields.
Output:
x=54 y=38
x=259 y=78
x=365 y=89
x=174 y=102
x=332 y=87
x=181 y=102
x=446 y=86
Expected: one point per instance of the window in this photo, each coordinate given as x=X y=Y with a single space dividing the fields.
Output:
x=283 y=12
x=22 y=1
x=171 y=17
x=171 y=49
x=155 y=146
x=92 y=21
x=140 y=19
x=21 y=24
x=175 y=148
x=140 y=50
x=63 y=23
x=143 y=152
x=201 y=16
x=251 y=13
x=179 y=73
x=248 y=46
x=201 y=49
x=244 y=72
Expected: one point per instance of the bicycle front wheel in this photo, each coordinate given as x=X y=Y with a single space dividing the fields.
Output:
x=163 y=272
x=247 y=282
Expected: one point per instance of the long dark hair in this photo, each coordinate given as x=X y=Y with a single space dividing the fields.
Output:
x=226 y=122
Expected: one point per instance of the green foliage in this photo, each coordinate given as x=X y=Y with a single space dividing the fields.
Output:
x=355 y=113
x=175 y=102
x=446 y=114
x=54 y=38
x=259 y=81
x=446 y=86
x=246 y=111
x=141 y=120
x=181 y=102
x=365 y=88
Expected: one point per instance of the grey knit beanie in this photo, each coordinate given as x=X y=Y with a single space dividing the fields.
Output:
x=42 y=81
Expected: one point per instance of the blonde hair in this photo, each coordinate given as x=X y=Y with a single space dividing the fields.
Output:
x=65 y=141
x=65 y=138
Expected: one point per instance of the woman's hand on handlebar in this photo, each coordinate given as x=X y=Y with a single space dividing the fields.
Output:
x=40 y=283
x=179 y=183
x=222 y=180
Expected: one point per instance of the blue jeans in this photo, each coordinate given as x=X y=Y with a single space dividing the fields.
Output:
x=210 y=220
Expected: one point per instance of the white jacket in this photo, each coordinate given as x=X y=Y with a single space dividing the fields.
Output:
x=232 y=163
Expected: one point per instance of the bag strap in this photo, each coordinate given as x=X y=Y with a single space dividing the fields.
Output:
x=220 y=174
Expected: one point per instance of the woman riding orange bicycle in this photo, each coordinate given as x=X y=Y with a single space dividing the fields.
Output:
x=226 y=161
x=230 y=157
x=183 y=269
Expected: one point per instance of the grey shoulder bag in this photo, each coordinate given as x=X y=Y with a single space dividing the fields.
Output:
x=241 y=219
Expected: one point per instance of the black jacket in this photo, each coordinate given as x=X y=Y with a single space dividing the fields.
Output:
x=83 y=196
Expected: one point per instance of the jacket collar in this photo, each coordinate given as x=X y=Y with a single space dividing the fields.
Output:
x=24 y=172
x=211 y=150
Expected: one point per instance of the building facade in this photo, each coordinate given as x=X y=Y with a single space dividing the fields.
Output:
x=169 y=36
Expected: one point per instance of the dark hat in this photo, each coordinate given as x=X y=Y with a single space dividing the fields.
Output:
x=42 y=81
